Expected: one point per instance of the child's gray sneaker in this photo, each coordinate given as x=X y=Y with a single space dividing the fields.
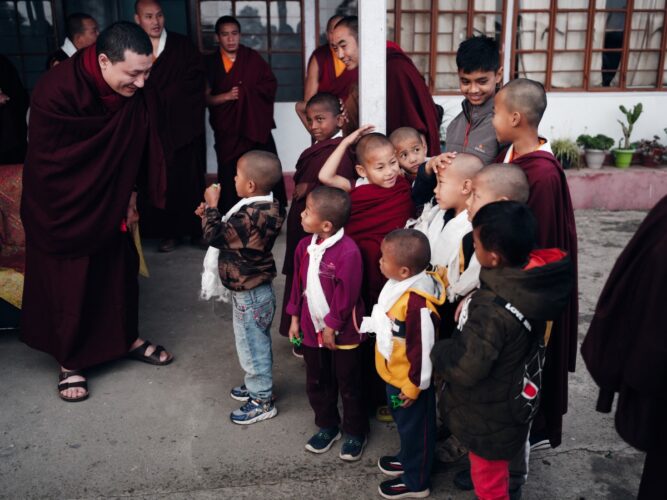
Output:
x=254 y=411
x=322 y=441
x=240 y=393
x=352 y=448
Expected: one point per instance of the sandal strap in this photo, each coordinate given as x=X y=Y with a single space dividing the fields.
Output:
x=71 y=385
x=141 y=349
x=69 y=373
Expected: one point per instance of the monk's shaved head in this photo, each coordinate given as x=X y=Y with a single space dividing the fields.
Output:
x=263 y=168
x=526 y=97
x=331 y=204
x=403 y=134
x=410 y=248
x=351 y=23
x=371 y=142
x=122 y=36
x=505 y=180
x=333 y=20
x=465 y=165
x=329 y=101
x=144 y=3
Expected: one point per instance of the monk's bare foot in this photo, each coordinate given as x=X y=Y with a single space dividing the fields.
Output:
x=72 y=385
x=147 y=355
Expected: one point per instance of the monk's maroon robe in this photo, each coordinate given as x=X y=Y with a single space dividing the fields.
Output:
x=179 y=80
x=244 y=124
x=87 y=145
x=409 y=102
x=625 y=349
x=550 y=201
x=305 y=180
x=328 y=81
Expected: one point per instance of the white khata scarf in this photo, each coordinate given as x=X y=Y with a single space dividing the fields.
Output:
x=378 y=321
x=317 y=302
x=211 y=285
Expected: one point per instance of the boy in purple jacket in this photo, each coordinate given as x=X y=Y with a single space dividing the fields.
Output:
x=324 y=301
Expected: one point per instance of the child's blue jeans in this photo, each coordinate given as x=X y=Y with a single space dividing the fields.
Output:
x=253 y=315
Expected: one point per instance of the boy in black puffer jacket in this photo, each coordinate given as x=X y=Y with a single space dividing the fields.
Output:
x=500 y=327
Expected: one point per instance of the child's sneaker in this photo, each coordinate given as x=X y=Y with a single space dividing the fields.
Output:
x=240 y=393
x=390 y=466
x=352 y=448
x=396 y=488
x=254 y=411
x=323 y=440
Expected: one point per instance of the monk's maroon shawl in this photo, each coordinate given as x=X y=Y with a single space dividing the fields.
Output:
x=625 y=349
x=409 y=102
x=83 y=160
x=179 y=78
x=376 y=211
x=328 y=81
x=240 y=124
x=550 y=202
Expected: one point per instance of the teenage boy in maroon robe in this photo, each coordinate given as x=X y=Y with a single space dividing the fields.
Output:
x=519 y=107
x=326 y=73
x=90 y=140
x=409 y=103
x=179 y=79
x=625 y=349
x=240 y=93
x=324 y=119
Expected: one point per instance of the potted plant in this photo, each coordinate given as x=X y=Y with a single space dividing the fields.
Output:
x=567 y=152
x=623 y=155
x=652 y=152
x=595 y=148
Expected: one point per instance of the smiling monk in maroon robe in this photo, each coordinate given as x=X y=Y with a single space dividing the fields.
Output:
x=89 y=140
x=240 y=94
x=178 y=77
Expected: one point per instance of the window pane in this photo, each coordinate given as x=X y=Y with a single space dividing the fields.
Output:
x=453 y=5
x=294 y=61
x=391 y=26
x=257 y=42
x=210 y=12
x=452 y=30
x=607 y=76
x=252 y=16
x=415 y=32
x=496 y=5
x=286 y=17
x=568 y=70
x=642 y=69
x=446 y=77
x=488 y=24
x=570 y=31
x=532 y=66
x=649 y=4
x=415 y=4
x=533 y=30
x=646 y=30
x=573 y=4
x=567 y=80
x=534 y=4
x=421 y=61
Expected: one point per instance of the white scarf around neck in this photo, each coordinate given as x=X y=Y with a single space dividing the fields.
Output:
x=211 y=285
x=317 y=302
x=378 y=322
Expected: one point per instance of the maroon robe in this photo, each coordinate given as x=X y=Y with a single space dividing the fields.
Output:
x=625 y=349
x=244 y=124
x=409 y=102
x=550 y=202
x=87 y=145
x=305 y=180
x=178 y=78
x=328 y=81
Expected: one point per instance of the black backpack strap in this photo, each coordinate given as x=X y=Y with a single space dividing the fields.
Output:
x=516 y=314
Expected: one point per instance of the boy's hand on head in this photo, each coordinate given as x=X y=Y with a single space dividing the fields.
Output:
x=329 y=338
x=358 y=134
x=200 y=210
x=407 y=402
x=440 y=162
x=212 y=195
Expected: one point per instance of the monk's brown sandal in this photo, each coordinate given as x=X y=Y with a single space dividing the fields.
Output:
x=62 y=386
x=139 y=353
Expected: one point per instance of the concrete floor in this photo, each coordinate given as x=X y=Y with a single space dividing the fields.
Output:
x=164 y=432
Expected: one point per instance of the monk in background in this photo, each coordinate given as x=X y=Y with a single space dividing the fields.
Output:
x=179 y=79
x=240 y=94
x=90 y=140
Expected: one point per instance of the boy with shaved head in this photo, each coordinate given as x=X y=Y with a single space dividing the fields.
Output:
x=240 y=263
x=410 y=149
x=381 y=202
x=497 y=182
x=324 y=119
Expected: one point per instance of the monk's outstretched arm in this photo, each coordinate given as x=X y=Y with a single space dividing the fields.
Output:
x=328 y=175
x=309 y=89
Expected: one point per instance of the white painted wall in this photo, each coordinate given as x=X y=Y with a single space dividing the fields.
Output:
x=567 y=116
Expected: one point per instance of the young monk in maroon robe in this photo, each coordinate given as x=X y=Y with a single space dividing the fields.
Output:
x=326 y=73
x=625 y=349
x=519 y=107
x=178 y=77
x=240 y=94
x=409 y=103
x=324 y=120
x=381 y=202
x=89 y=136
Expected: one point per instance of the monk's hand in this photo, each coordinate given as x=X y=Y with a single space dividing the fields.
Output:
x=329 y=338
x=132 y=213
x=358 y=134
x=212 y=195
x=407 y=402
x=4 y=98
x=201 y=210
x=232 y=95
x=440 y=162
